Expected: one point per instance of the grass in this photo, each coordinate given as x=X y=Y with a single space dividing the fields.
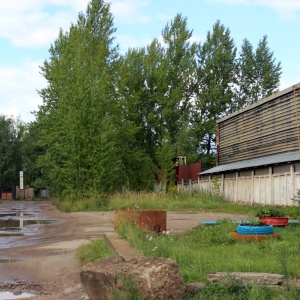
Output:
x=208 y=249
x=95 y=250
x=174 y=201
x=235 y=290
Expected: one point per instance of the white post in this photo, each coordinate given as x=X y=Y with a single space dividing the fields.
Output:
x=293 y=190
x=252 y=187
x=236 y=186
x=271 y=185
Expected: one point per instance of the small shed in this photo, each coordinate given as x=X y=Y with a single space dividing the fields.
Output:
x=258 y=157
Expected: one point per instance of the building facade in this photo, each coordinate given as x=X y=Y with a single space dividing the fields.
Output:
x=258 y=159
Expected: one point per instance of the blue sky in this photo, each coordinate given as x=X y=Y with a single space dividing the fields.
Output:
x=27 y=28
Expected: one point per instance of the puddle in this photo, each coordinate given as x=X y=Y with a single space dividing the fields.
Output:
x=17 y=222
x=20 y=223
x=9 y=295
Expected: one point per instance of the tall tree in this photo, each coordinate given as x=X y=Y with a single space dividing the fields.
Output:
x=84 y=121
x=216 y=75
x=11 y=135
x=76 y=101
x=177 y=69
x=259 y=74
x=30 y=154
x=246 y=73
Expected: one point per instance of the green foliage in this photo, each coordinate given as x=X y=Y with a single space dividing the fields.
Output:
x=95 y=250
x=216 y=70
x=296 y=198
x=271 y=212
x=11 y=135
x=89 y=140
x=177 y=65
x=259 y=74
x=166 y=172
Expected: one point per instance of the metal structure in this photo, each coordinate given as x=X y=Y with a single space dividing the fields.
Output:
x=258 y=158
x=268 y=127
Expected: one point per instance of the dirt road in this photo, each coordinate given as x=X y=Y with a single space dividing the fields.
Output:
x=45 y=264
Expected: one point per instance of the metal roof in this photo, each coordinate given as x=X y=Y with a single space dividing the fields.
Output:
x=255 y=162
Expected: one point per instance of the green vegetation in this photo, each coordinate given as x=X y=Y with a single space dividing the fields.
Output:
x=208 y=249
x=11 y=152
x=271 y=212
x=196 y=201
x=236 y=290
x=95 y=250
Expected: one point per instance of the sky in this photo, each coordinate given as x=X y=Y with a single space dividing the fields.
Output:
x=29 y=27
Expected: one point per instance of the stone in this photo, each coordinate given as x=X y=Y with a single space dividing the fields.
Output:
x=151 y=277
x=247 y=277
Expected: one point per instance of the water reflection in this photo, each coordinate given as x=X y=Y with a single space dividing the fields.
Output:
x=16 y=223
x=9 y=295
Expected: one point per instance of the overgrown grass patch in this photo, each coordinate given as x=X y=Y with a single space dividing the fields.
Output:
x=95 y=250
x=208 y=249
x=175 y=201
x=236 y=290
x=195 y=201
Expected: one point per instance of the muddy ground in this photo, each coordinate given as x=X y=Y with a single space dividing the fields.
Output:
x=45 y=263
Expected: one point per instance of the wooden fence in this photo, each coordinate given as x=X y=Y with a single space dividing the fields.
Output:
x=270 y=189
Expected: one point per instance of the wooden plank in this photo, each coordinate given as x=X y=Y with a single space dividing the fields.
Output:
x=266 y=129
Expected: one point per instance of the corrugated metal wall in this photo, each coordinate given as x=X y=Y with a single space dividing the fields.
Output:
x=189 y=172
x=267 y=127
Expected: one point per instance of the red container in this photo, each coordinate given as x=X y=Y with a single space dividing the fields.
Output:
x=275 y=221
x=6 y=196
x=154 y=220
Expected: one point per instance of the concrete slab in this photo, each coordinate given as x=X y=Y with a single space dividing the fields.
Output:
x=121 y=246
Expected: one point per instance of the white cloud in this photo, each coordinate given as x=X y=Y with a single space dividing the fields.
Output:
x=18 y=87
x=286 y=9
x=288 y=81
x=127 y=41
x=28 y=24
x=129 y=11
x=36 y=23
